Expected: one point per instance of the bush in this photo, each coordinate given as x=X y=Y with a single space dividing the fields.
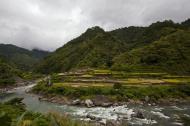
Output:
x=186 y=121
x=154 y=92
x=5 y=119
x=117 y=86
x=122 y=67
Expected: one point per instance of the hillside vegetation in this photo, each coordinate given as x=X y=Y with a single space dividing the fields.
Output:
x=7 y=73
x=21 y=58
x=170 y=53
x=17 y=63
x=162 y=46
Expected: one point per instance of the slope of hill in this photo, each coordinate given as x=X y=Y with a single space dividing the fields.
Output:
x=161 y=45
x=21 y=58
x=7 y=73
x=94 y=48
x=170 y=53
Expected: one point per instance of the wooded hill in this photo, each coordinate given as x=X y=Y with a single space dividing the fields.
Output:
x=15 y=61
x=21 y=58
x=7 y=73
x=162 y=46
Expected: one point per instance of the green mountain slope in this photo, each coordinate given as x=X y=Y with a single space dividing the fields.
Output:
x=170 y=53
x=94 y=48
x=139 y=36
x=125 y=48
x=7 y=73
x=21 y=58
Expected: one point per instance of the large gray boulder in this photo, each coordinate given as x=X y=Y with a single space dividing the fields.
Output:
x=139 y=114
x=89 y=103
x=147 y=98
x=92 y=117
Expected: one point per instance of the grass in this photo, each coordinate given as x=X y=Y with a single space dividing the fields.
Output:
x=142 y=81
x=130 y=92
x=13 y=113
x=102 y=71
x=87 y=76
x=186 y=121
x=177 y=80
x=84 y=84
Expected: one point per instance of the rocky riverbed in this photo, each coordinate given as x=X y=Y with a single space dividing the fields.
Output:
x=104 y=101
x=131 y=113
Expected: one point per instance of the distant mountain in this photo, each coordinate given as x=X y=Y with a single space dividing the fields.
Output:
x=162 y=46
x=21 y=58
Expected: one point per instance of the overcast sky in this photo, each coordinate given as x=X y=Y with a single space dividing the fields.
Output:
x=49 y=24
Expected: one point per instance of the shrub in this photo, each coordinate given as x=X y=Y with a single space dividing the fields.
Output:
x=117 y=86
x=5 y=119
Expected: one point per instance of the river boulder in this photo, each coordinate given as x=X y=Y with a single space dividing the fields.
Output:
x=138 y=114
x=101 y=100
x=76 y=102
x=147 y=98
x=89 y=103
x=108 y=104
x=92 y=117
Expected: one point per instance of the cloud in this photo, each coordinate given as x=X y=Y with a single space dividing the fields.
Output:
x=49 y=24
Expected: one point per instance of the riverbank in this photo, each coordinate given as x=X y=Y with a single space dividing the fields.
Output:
x=106 y=88
x=4 y=89
x=107 y=96
x=14 y=112
x=129 y=114
x=104 y=101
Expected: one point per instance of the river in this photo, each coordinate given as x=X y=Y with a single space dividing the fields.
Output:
x=154 y=115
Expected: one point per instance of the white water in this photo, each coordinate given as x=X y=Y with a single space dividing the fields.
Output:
x=154 y=115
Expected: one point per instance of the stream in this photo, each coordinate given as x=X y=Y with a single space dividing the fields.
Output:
x=154 y=115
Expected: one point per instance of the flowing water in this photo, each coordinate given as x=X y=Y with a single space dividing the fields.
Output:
x=154 y=115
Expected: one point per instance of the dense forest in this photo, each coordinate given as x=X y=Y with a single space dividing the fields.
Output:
x=16 y=61
x=7 y=73
x=162 y=46
x=21 y=58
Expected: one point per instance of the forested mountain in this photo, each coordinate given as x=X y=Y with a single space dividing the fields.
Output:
x=170 y=53
x=7 y=73
x=94 y=48
x=162 y=46
x=19 y=57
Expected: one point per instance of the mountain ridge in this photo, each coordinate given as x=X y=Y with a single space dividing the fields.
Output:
x=97 y=48
x=21 y=58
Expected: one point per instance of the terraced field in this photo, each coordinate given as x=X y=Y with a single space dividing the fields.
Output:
x=115 y=86
x=109 y=78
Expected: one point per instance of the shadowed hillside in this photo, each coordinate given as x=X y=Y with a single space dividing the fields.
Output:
x=162 y=46
x=21 y=58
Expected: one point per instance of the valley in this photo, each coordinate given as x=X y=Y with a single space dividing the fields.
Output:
x=128 y=76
